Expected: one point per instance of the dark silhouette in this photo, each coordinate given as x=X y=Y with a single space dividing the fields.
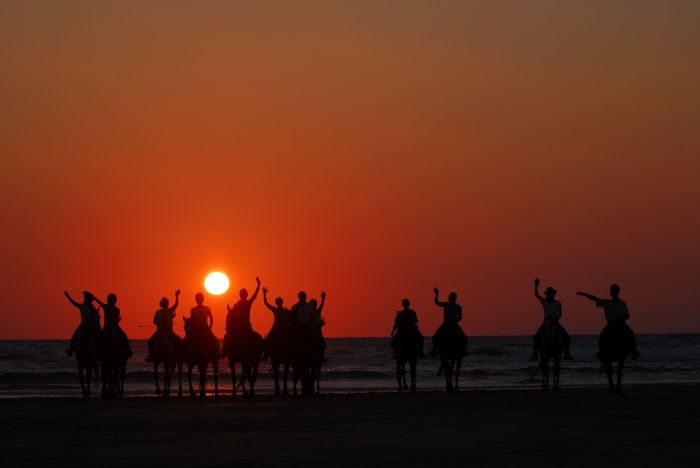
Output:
x=449 y=339
x=200 y=346
x=552 y=314
x=85 y=340
x=242 y=344
x=165 y=347
x=617 y=339
x=551 y=339
x=407 y=343
x=317 y=324
x=277 y=342
x=305 y=346
x=114 y=349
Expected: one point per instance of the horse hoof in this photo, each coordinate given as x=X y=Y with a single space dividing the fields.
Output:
x=413 y=388
x=158 y=391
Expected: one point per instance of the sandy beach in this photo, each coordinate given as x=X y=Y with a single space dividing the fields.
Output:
x=648 y=426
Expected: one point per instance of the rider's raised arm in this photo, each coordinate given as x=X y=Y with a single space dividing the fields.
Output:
x=590 y=297
x=323 y=301
x=70 y=299
x=257 y=290
x=267 y=304
x=537 y=290
x=177 y=302
x=437 y=300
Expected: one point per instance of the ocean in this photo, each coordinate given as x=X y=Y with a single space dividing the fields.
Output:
x=40 y=368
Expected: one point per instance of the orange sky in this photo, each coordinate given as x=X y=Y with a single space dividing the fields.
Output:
x=369 y=149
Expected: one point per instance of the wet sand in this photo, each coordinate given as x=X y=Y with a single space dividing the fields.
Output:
x=648 y=426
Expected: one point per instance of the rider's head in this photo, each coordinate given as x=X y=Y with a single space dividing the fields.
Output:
x=549 y=293
x=164 y=303
x=199 y=298
x=614 y=291
x=88 y=297
x=112 y=299
x=279 y=302
x=406 y=303
x=243 y=293
x=452 y=297
x=302 y=297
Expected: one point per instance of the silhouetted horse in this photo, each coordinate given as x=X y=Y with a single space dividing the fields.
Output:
x=114 y=354
x=167 y=350
x=305 y=353
x=87 y=357
x=200 y=347
x=551 y=348
x=407 y=349
x=614 y=344
x=451 y=349
x=246 y=348
x=280 y=355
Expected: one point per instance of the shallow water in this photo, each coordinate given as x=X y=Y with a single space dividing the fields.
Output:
x=41 y=368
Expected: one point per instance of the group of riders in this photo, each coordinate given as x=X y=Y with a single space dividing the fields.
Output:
x=303 y=323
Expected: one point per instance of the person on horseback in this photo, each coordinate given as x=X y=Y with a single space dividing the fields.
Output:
x=452 y=315
x=112 y=316
x=317 y=321
x=406 y=321
x=280 y=325
x=163 y=320
x=302 y=312
x=238 y=317
x=89 y=319
x=552 y=315
x=616 y=316
x=201 y=318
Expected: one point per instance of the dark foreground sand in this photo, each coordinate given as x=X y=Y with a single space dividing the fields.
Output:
x=648 y=426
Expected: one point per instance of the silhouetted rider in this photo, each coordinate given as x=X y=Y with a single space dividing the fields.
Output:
x=552 y=314
x=406 y=321
x=616 y=315
x=238 y=317
x=89 y=319
x=452 y=315
x=163 y=320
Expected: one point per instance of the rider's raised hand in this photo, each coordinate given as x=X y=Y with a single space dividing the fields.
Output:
x=177 y=292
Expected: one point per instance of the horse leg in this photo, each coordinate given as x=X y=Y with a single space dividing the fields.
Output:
x=620 y=367
x=232 y=366
x=447 y=369
x=285 y=376
x=398 y=375
x=555 y=374
x=413 y=374
x=215 y=371
x=609 y=375
x=458 y=367
x=545 y=374
x=82 y=379
x=167 y=377
x=318 y=379
x=202 y=368
x=254 y=376
x=276 y=376
x=179 y=379
x=155 y=376
x=189 y=378
x=88 y=378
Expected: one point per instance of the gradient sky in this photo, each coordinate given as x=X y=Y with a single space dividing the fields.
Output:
x=369 y=149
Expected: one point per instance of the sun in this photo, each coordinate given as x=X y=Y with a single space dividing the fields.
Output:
x=216 y=283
